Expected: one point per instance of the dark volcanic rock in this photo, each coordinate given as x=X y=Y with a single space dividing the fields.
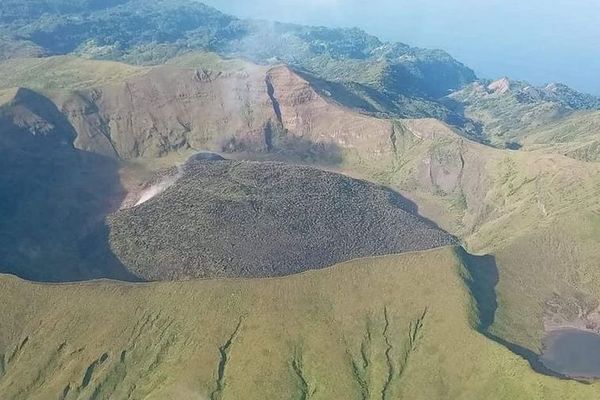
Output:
x=251 y=219
x=204 y=156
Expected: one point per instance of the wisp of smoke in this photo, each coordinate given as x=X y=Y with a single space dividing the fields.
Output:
x=170 y=180
x=160 y=187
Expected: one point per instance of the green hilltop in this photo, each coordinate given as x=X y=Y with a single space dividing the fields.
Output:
x=396 y=327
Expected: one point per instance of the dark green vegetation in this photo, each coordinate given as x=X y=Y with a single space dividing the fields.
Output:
x=250 y=219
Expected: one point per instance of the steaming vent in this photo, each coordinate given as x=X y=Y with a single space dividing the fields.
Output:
x=168 y=179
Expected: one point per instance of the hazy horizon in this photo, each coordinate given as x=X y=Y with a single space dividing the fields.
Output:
x=534 y=41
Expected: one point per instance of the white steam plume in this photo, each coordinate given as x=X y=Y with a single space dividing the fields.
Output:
x=160 y=187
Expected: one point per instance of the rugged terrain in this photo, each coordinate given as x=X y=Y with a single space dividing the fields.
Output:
x=54 y=196
x=503 y=111
x=509 y=169
x=257 y=219
x=151 y=32
x=497 y=201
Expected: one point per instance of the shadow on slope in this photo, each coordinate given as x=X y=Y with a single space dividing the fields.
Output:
x=368 y=100
x=53 y=197
x=281 y=145
x=482 y=278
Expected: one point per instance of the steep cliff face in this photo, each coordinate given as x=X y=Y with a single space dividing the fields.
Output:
x=169 y=109
x=307 y=114
x=53 y=196
x=256 y=110
x=27 y=117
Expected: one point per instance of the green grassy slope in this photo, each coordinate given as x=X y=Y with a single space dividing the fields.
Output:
x=70 y=73
x=537 y=213
x=62 y=73
x=577 y=136
x=550 y=274
x=397 y=327
x=505 y=109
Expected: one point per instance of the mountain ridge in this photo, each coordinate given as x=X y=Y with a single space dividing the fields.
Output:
x=509 y=169
x=186 y=340
x=390 y=79
x=504 y=109
x=308 y=47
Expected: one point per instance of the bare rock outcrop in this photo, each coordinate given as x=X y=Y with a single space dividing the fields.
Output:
x=257 y=219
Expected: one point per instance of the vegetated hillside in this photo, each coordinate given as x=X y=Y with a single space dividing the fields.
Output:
x=16 y=11
x=503 y=109
x=154 y=31
x=11 y=47
x=256 y=219
x=549 y=278
x=397 y=327
x=63 y=74
x=389 y=78
x=537 y=213
x=576 y=136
